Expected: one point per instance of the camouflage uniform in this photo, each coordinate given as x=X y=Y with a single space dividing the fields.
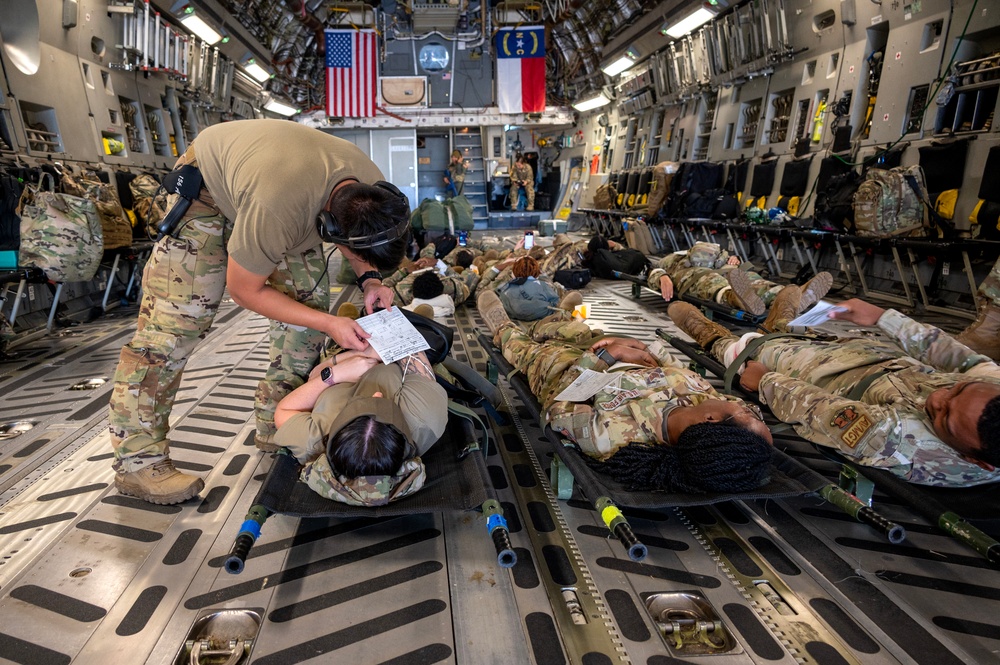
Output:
x=564 y=257
x=617 y=415
x=182 y=286
x=522 y=173
x=701 y=272
x=456 y=174
x=887 y=427
x=456 y=285
x=989 y=290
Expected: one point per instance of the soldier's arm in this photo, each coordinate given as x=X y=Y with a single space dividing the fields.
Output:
x=428 y=251
x=856 y=429
x=396 y=277
x=929 y=344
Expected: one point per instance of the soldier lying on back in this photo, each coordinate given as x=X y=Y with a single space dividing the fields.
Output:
x=360 y=427
x=931 y=415
x=658 y=427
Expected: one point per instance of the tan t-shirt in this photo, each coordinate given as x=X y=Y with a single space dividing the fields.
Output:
x=423 y=402
x=271 y=178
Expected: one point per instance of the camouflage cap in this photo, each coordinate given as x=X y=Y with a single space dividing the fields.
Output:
x=364 y=490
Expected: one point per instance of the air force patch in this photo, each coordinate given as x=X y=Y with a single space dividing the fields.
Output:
x=853 y=425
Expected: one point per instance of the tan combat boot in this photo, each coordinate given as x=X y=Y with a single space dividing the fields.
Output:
x=784 y=308
x=571 y=300
x=159 y=483
x=690 y=319
x=348 y=310
x=492 y=311
x=983 y=334
x=743 y=293
x=814 y=290
x=424 y=310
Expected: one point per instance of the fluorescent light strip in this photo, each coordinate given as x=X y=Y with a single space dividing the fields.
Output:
x=592 y=103
x=689 y=23
x=281 y=109
x=618 y=66
x=256 y=71
x=200 y=28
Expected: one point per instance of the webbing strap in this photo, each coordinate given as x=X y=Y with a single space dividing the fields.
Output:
x=465 y=412
x=858 y=391
x=746 y=354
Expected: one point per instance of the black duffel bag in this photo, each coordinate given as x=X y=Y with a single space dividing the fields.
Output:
x=573 y=278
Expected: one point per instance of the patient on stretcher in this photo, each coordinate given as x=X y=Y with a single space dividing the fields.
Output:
x=359 y=427
x=655 y=426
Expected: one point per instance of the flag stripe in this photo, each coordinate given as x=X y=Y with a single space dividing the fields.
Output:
x=520 y=64
x=351 y=73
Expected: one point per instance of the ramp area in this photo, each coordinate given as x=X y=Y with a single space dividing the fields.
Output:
x=88 y=576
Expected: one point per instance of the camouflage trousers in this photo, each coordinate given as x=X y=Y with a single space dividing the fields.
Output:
x=989 y=290
x=710 y=284
x=457 y=286
x=182 y=287
x=515 y=193
x=835 y=365
x=545 y=352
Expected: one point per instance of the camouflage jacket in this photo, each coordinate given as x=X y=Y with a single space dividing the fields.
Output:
x=522 y=173
x=626 y=412
x=456 y=285
x=888 y=426
x=564 y=257
x=702 y=255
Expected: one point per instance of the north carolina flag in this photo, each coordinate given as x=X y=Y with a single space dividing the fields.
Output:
x=521 y=69
x=351 y=73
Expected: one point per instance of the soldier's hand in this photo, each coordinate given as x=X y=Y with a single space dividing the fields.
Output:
x=858 y=311
x=353 y=368
x=629 y=354
x=347 y=333
x=620 y=341
x=376 y=295
x=752 y=374
x=666 y=288
x=426 y=262
x=733 y=261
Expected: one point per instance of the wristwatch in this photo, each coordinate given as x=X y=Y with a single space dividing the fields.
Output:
x=371 y=274
x=326 y=375
x=606 y=356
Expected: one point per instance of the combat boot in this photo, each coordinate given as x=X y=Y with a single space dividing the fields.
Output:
x=784 y=308
x=743 y=294
x=983 y=334
x=690 y=319
x=348 y=310
x=159 y=483
x=814 y=290
x=424 y=310
x=492 y=311
x=571 y=300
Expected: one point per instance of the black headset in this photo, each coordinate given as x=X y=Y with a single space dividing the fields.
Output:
x=331 y=232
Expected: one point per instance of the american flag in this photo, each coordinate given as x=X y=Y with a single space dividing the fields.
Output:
x=350 y=73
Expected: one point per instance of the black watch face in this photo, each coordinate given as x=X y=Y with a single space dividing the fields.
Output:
x=324 y=375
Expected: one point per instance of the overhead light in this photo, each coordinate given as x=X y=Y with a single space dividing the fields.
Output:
x=618 y=66
x=274 y=106
x=193 y=23
x=695 y=19
x=256 y=71
x=592 y=103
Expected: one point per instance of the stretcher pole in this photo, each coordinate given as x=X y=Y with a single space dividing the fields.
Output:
x=620 y=527
x=496 y=526
x=248 y=535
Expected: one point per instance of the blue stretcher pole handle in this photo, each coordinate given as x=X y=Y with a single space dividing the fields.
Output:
x=496 y=525
x=249 y=532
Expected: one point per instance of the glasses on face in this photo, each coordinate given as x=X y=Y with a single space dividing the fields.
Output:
x=753 y=409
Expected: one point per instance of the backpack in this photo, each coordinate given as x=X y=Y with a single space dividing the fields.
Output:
x=834 y=208
x=891 y=203
x=572 y=278
x=663 y=175
x=605 y=263
x=638 y=236
x=605 y=197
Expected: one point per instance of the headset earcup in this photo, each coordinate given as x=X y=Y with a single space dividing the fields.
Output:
x=326 y=225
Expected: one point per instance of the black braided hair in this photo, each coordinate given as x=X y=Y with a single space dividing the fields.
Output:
x=708 y=457
x=989 y=433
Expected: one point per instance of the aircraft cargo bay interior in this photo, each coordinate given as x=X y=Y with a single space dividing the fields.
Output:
x=635 y=331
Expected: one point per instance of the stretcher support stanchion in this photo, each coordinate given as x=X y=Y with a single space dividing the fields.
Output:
x=620 y=527
x=249 y=532
x=857 y=509
x=496 y=526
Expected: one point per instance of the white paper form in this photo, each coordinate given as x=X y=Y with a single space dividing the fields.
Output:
x=588 y=384
x=816 y=316
x=392 y=335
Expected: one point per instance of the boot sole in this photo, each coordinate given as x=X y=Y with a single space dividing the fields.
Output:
x=159 y=499
x=745 y=293
x=815 y=289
